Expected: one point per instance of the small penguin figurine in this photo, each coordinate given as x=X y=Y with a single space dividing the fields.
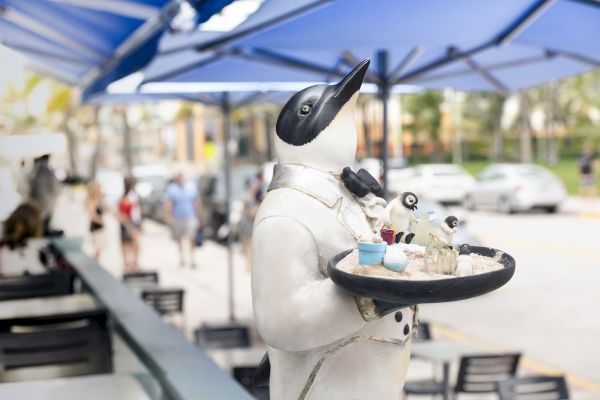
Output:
x=398 y=215
x=464 y=264
x=447 y=230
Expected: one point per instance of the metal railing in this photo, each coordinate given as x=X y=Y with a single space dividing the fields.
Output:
x=183 y=370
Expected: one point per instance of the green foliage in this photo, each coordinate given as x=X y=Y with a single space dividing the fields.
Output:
x=425 y=108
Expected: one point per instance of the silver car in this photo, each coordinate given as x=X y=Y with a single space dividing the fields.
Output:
x=516 y=187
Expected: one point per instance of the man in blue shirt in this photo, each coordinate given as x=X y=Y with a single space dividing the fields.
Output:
x=183 y=209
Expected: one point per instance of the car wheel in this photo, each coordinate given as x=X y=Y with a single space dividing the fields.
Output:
x=505 y=206
x=551 y=209
x=469 y=203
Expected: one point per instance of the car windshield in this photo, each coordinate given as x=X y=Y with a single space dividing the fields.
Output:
x=449 y=171
x=534 y=174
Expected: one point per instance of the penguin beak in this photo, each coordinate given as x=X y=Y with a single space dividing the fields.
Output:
x=351 y=82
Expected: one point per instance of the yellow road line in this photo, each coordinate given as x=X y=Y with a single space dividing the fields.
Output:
x=590 y=214
x=527 y=362
x=569 y=250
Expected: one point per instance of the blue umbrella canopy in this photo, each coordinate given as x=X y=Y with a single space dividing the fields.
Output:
x=85 y=42
x=465 y=44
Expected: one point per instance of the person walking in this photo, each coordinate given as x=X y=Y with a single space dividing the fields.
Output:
x=586 y=171
x=252 y=199
x=95 y=209
x=183 y=210
x=44 y=189
x=130 y=219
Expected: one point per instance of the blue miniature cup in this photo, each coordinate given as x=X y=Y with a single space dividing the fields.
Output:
x=371 y=253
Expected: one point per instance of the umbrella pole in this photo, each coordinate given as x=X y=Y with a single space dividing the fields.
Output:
x=226 y=109
x=384 y=94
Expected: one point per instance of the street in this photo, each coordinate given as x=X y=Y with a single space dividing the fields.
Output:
x=548 y=310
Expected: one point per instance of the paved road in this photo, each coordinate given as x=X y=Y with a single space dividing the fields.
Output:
x=548 y=310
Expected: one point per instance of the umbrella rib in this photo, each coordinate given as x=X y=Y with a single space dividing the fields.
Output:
x=352 y=61
x=257 y=28
x=269 y=56
x=406 y=62
x=485 y=74
x=441 y=61
x=578 y=57
x=508 y=34
x=47 y=54
x=186 y=68
x=492 y=67
x=528 y=17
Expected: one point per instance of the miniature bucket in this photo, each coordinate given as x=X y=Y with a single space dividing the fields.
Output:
x=371 y=253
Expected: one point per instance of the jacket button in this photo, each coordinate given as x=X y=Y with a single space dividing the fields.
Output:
x=406 y=329
x=398 y=316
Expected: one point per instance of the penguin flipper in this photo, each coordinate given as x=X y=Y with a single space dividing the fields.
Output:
x=353 y=183
x=398 y=237
x=408 y=238
x=368 y=179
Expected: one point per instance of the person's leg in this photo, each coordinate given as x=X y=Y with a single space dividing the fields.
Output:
x=135 y=251
x=192 y=242
x=180 y=250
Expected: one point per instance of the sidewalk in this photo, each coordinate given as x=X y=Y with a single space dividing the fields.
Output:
x=584 y=206
x=206 y=295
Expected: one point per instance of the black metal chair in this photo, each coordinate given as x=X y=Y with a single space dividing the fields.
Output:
x=476 y=374
x=142 y=279
x=534 y=388
x=53 y=348
x=168 y=303
x=481 y=374
x=222 y=336
x=423 y=332
x=245 y=375
x=27 y=286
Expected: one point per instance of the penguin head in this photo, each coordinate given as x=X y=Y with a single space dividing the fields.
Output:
x=451 y=221
x=409 y=200
x=316 y=126
x=464 y=249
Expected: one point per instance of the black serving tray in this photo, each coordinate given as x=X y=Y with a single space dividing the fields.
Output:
x=410 y=292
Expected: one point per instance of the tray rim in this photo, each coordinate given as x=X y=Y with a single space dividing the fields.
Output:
x=504 y=274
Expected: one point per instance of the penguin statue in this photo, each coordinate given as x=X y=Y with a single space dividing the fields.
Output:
x=398 y=215
x=447 y=230
x=464 y=264
x=322 y=342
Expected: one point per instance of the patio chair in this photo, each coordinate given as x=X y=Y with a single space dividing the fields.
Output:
x=27 y=286
x=54 y=348
x=167 y=302
x=534 y=388
x=142 y=279
x=476 y=374
x=481 y=374
x=222 y=336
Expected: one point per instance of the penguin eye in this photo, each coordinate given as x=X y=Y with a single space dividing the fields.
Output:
x=305 y=109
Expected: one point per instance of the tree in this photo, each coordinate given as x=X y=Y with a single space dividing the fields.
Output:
x=425 y=108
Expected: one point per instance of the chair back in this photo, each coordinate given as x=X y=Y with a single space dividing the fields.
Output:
x=164 y=301
x=534 y=388
x=481 y=373
x=53 y=348
x=27 y=286
x=141 y=279
x=423 y=332
x=222 y=337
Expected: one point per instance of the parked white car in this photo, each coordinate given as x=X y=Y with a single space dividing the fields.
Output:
x=444 y=183
x=516 y=187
